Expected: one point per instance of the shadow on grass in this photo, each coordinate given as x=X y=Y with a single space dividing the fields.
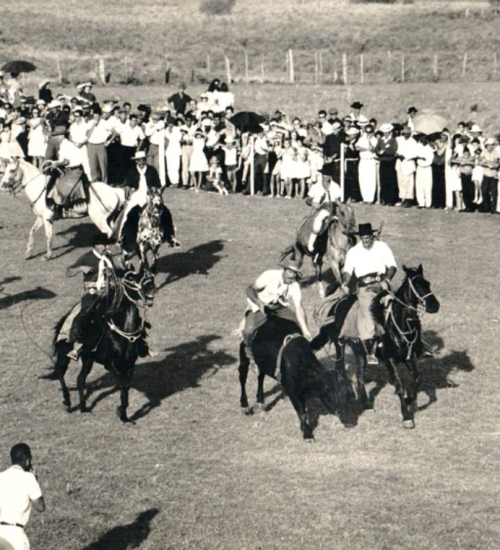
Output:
x=183 y=367
x=435 y=374
x=38 y=293
x=80 y=235
x=126 y=537
x=196 y=261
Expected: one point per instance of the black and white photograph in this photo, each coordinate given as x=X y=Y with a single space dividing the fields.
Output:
x=248 y=276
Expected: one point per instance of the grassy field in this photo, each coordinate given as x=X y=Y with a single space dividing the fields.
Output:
x=153 y=35
x=193 y=472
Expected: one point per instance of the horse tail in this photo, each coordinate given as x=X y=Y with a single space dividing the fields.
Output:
x=292 y=252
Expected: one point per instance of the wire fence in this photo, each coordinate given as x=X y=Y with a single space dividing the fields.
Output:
x=291 y=66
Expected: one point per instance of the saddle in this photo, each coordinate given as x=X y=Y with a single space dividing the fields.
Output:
x=68 y=190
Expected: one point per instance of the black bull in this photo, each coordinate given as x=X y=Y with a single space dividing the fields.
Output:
x=300 y=373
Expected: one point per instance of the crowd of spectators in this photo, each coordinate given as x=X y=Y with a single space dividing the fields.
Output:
x=195 y=144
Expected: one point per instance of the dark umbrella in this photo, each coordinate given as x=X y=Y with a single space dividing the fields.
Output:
x=248 y=121
x=18 y=67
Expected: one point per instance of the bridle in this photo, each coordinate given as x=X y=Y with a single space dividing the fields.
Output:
x=16 y=185
x=421 y=299
x=128 y=285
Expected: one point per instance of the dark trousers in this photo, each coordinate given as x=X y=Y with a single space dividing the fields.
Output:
x=489 y=190
x=438 y=186
x=389 y=192
x=259 y=165
x=468 y=191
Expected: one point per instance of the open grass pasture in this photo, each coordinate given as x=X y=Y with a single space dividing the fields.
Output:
x=194 y=472
x=152 y=35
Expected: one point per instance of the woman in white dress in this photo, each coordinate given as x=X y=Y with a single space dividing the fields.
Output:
x=302 y=169
x=173 y=151
x=37 y=140
x=367 y=171
x=287 y=169
x=198 y=165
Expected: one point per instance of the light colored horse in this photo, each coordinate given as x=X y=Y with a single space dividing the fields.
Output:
x=104 y=200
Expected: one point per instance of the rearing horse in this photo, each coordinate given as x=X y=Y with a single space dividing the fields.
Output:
x=104 y=200
x=334 y=242
x=401 y=342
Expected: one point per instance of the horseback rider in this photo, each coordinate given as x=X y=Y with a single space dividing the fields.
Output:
x=324 y=197
x=373 y=264
x=105 y=257
x=64 y=163
x=276 y=292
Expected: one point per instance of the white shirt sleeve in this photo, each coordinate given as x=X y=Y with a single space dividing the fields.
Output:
x=34 y=490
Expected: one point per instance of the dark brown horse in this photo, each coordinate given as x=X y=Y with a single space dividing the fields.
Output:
x=115 y=338
x=281 y=352
x=333 y=242
x=400 y=344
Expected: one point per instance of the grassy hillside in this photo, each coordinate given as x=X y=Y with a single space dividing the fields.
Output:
x=154 y=34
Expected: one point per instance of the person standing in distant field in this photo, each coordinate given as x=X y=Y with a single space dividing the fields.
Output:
x=19 y=490
x=179 y=101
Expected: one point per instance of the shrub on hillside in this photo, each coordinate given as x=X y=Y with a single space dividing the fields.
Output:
x=384 y=1
x=217 y=7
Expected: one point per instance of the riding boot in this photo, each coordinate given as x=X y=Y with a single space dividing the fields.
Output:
x=369 y=345
x=75 y=352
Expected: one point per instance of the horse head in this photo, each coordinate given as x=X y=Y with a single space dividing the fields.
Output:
x=12 y=176
x=140 y=285
x=418 y=290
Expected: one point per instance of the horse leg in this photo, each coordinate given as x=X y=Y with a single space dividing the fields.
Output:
x=36 y=226
x=406 y=404
x=260 y=389
x=348 y=393
x=99 y=216
x=124 y=380
x=318 y=265
x=299 y=404
x=61 y=367
x=243 y=372
x=49 y=231
x=360 y=355
x=81 y=381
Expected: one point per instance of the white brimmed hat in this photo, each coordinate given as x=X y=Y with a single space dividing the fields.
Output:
x=476 y=128
x=386 y=128
x=84 y=85
x=353 y=131
x=53 y=104
x=139 y=155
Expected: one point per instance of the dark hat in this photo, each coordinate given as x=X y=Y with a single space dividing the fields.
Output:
x=412 y=110
x=293 y=265
x=357 y=105
x=365 y=229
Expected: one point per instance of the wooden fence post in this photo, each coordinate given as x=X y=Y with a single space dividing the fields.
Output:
x=102 y=71
x=208 y=64
x=228 y=70
x=125 y=61
x=246 y=65
x=316 y=68
x=464 y=65
x=389 y=66
x=320 y=60
x=262 y=70
x=435 y=66
x=495 y=65
x=59 y=71
x=344 y=68
x=362 y=68
x=402 y=67
x=291 y=67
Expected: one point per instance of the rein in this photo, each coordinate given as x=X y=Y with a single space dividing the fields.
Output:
x=286 y=341
x=18 y=185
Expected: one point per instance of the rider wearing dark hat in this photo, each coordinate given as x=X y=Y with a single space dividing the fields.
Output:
x=276 y=292
x=372 y=262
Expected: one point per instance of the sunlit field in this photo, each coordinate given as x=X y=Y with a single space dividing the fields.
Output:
x=193 y=472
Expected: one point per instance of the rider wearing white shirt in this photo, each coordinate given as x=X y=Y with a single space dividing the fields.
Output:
x=373 y=264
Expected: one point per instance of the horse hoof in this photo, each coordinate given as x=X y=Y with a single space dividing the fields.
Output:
x=85 y=410
x=408 y=424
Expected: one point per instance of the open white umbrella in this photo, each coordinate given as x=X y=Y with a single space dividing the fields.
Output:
x=429 y=124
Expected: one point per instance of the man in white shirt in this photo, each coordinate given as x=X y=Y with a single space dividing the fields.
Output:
x=275 y=293
x=406 y=167
x=19 y=491
x=423 y=178
x=373 y=264
x=155 y=132
x=99 y=137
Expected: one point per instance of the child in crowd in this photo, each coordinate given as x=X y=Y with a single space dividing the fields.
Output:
x=477 y=177
x=215 y=176
x=198 y=164
x=231 y=162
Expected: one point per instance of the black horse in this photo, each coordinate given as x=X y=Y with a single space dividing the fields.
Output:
x=115 y=338
x=401 y=342
x=281 y=352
